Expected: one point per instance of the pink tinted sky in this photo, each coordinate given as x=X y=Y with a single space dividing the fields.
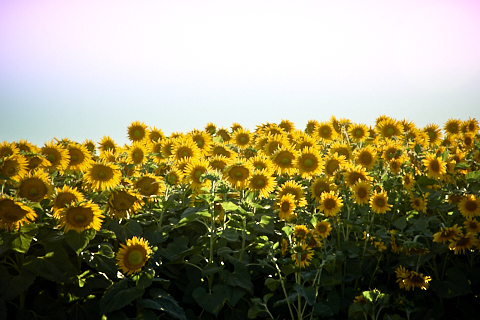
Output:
x=84 y=69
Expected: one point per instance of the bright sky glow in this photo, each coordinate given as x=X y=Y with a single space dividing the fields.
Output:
x=84 y=69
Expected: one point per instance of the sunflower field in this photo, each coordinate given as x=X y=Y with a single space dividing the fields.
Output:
x=336 y=220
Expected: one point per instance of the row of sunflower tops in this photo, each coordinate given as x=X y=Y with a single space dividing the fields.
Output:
x=329 y=170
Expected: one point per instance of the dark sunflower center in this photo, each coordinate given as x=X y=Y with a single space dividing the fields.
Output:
x=51 y=157
x=238 y=174
x=102 y=175
x=135 y=257
x=243 y=139
x=285 y=206
x=380 y=202
x=198 y=173
x=358 y=132
x=390 y=131
x=260 y=182
x=435 y=166
x=329 y=204
x=471 y=206
x=137 y=133
x=80 y=218
x=11 y=170
x=286 y=160
x=362 y=193
x=308 y=163
x=33 y=191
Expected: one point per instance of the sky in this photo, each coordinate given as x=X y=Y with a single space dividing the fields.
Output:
x=88 y=69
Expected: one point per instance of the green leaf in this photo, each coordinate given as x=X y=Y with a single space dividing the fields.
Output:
x=400 y=223
x=229 y=206
x=78 y=241
x=456 y=284
x=306 y=292
x=211 y=268
x=265 y=225
x=164 y=302
x=21 y=240
x=102 y=261
x=230 y=234
x=12 y=286
x=475 y=175
x=212 y=301
x=239 y=278
x=119 y=295
x=129 y=230
x=272 y=284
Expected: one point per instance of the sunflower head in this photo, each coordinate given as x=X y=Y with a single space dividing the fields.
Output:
x=284 y=160
x=123 y=203
x=361 y=192
x=155 y=135
x=309 y=163
x=81 y=216
x=286 y=207
x=133 y=255
x=35 y=186
x=263 y=182
x=149 y=185
x=224 y=135
x=64 y=197
x=107 y=144
x=324 y=131
x=137 y=153
x=389 y=128
x=57 y=155
x=13 y=167
x=137 y=131
x=321 y=185
x=185 y=147
x=14 y=214
x=330 y=204
x=379 y=202
x=323 y=228
x=8 y=149
x=469 y=206
x=242 y=138
x=80 y=157
x=302 y=256
x=102 y=175
x=238 y=173
x=358 y=132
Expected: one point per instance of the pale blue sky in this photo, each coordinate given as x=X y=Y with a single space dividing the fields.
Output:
x=85 y=69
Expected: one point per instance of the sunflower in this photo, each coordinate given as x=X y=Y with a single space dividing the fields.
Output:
x=392 y=149
x=274 y=143
x=155 y=135
x=81 y=216
x=210 y=128
x=356 y=173
x=292 y=187
x=467 y=140
x=361 y=192
x=358 y=132
x=309 y=163
x=379 y=202
x=263 y=182
x=472 y=225
x=310 y=127
x=270 y=129
x=80 y=157
x=156 y=149
x=286 y=207
x=123 y=203
x=324 y=131
x=13 y=167
x=342 y=149
x=132 y=256
x=463 y=243
x=57 y=155
x=334 y=163
x=14 y=214
x=416 y=280
x=447 y=234
x=107 y=144
x=37 y=162
x=193 y=172
x=262 y=162
x=330 y=203
x=137 y=131
x=395 y=165
x=435 y=165
x=284 y=246
x=452 y=126
x=323 y=228
x=300 y=233
x=223 y=134
x=203 y=141
x=434 y=134
x=35 y=186
x=90 y=145
x=222 y=149
x=238 y=173
x=408 y=181
x=166 y=148
x=303 y=257
x=174 y=177
x=65 y=196
x=8 y=149
x=470 y=125
x=242 y=138
x=284 y=160
x=102 y=175
x=366 y=157
x=469 y=206
x=389 y=128
x=26 y=147
x=137 y=153
x=149 y=185
x=219 y=162
x=302 y=140
x=419 y=203
x=185 y=147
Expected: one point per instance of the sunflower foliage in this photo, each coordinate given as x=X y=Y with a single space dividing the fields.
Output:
x=339 y=220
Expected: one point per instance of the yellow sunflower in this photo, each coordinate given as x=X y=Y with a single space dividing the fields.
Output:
x=210 y=128
x=464 y=242
x=293 y=187
x=358 y=132
x=166 y=148
x=194 y=171
x=224 y=134
x=262 y=162
x=415 y=280
x=325 y=132
x=310 y=127
x=133 y=255
x=470 y=125
x=57 y=155
x=287 y=125
x=392 y=149
x=65 y=196
x=14 y=214
x=242 y=138
x=263 y=182
x=155 y=135
x=389 y=128
x=361 y=192
x=469 y=206
x=395 y=165
x=8 y=149
x=286 y=207
x=107 y=144
x=35 y=186
x=275 y=142
x=149 y=185
x=330 y=204
x=37 y=162
x=137 y=153
x=102 y=175
x=408 y=181
x=467 y=140
x=321 y=185
x=185 y=147
x=435 y=165
x=303 y=257
x=90 y=145
x=452 y=126
x=334 y=163
x=26 y=147
x=238 y=173
x=379 y=202
x=323 y=228
x=300 y=233
x=342 y=149
x=366 y=157
x=81 y=216
x=156 y=149
x=302 y=140
x=356 y=173
x=284 y=160
x=236 y=126
x=137 y=131
x=80 y=157
x=472 y=225
x=419 y=203
x=13 y=167
x=174 y=177
x=222 y=149
x=434 y=134
x=219 y=162
x=447 y=234
x=124 y=203
x=309 y=163
x=203 y=141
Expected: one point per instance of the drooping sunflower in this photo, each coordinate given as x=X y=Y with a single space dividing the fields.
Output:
x=469 y=206
x=137 y=153
x=419 y=203
x=434 y=134
x=416 y=280
x=14 y=214
x=80 y=216
x=284 y=160
x=293 y=187
x=366 y=157
x=203 y=140
x=107 y=144
x=334 y=163
x=358 y=132
x=124 y=203
x=194 y=171
x=330 y=203
x=402 y=274
x=35 y=186
x=341 y=148
x=323 y=228
x=238 y=173
x=356 y=173
x=242 y=138
x=361 y=192
x=185 y=147
x=287 y=125
x=65 y=196
x=13 y=167
x=224 y=150
x=57 y=155
x=447 y=234
x=149 y=185
x=8 y=149
x=464 y=242
x=452 y=126
x=303 y=257
x=155 y=135
x=263 y=182
x=102 y=175
x=132 y=256
x=137 y=131
x=80 y=157
x=321 y=185
x=324 y=131
x=389 y=128
x=379 y=202
x=219 y=162
x=435 y=165
x=236 y=126
x=309 y=163
x=286 y=207
x=224 y=134
x=210 y=128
